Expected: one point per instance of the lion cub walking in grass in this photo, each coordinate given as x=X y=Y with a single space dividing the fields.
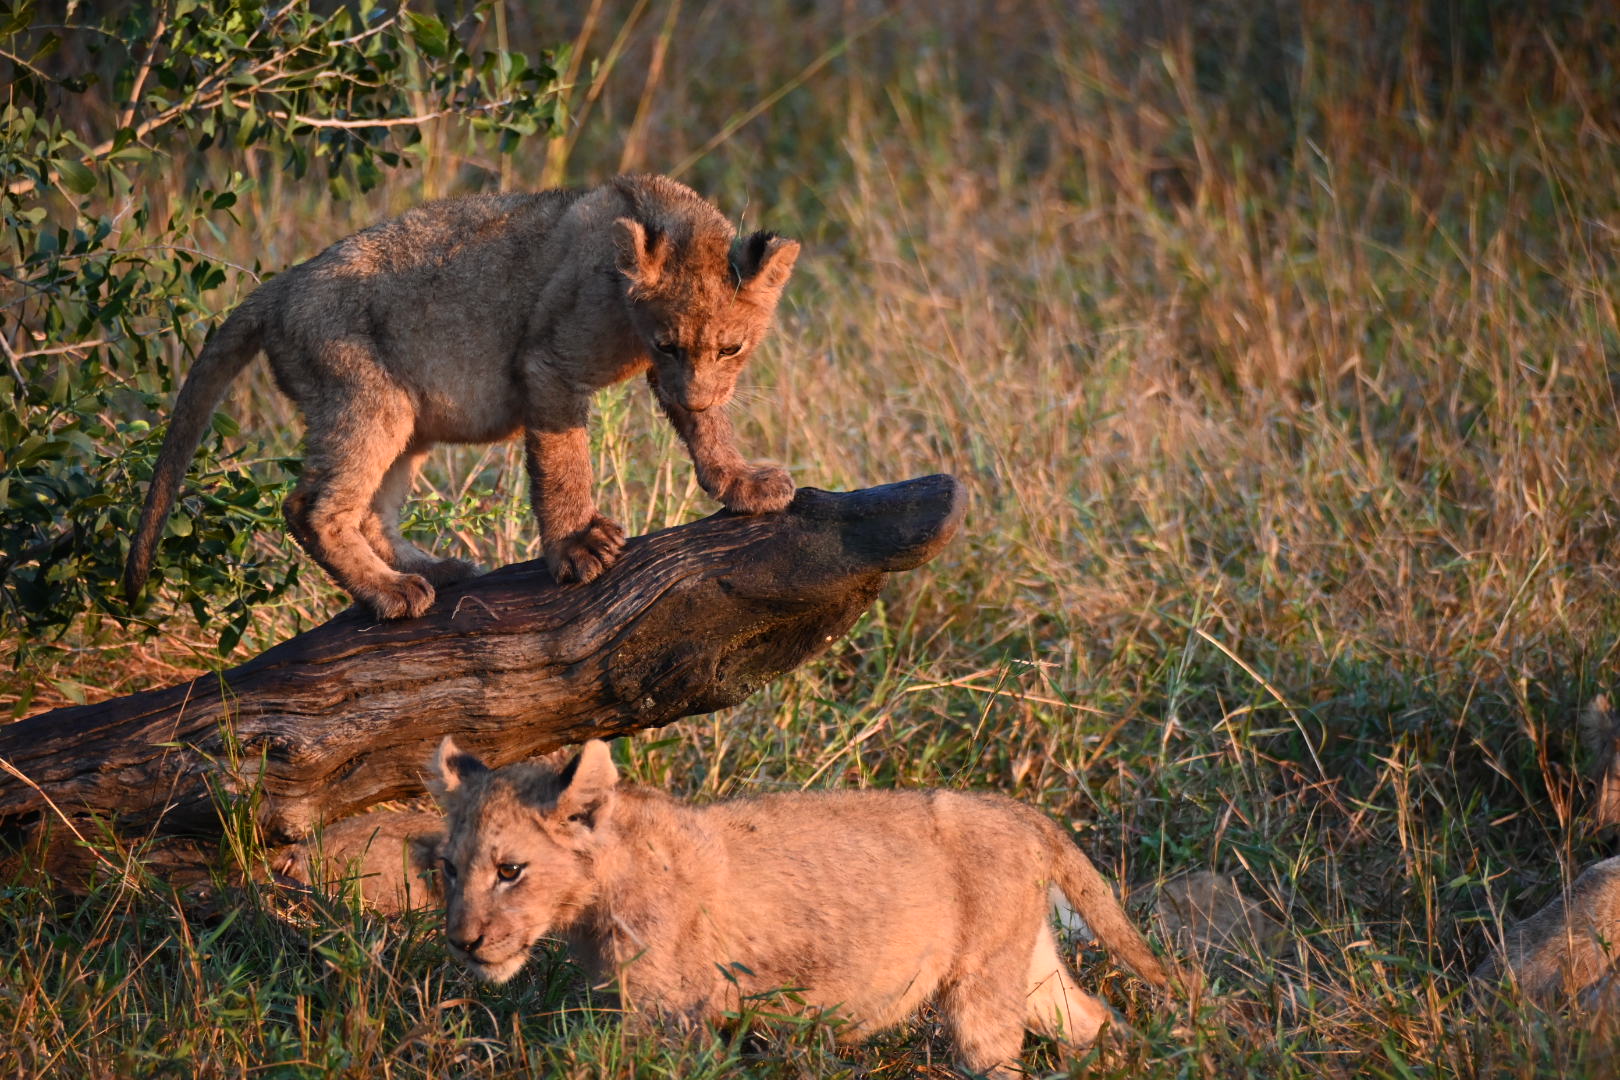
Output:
x=869 y=902
x=467 y=321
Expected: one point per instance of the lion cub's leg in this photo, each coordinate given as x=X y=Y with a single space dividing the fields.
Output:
x=985 y=1012
x=381 y=527
x=353 y=439
x=721 y=471
x=1058 y=1008
x=579 y=543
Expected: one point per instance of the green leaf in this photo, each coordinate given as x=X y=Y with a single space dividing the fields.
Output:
x=431 y=34
x=75 y=176
x=48 y=47
x=73 y=691
x=232 y=633
x=15 y=19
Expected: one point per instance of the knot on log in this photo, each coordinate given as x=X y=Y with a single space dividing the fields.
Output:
x=690 y=619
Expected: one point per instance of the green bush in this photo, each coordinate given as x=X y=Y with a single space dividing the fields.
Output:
x=99 y=274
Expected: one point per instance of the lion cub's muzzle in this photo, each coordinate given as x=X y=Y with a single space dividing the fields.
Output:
x=693 y=402
x=693 y=392
x=486 y=967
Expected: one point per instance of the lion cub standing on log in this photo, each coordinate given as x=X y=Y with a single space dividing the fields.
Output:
x=871 y=902
x=469 y=320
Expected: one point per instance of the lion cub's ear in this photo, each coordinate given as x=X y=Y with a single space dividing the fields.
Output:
x=763 y=261
x=639 y=253
x=452 y=766
x=423 y=851
x=587 y=787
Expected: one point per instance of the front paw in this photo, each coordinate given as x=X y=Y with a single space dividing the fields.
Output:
x=757 y=489
x=399 y=596
x=584 y=555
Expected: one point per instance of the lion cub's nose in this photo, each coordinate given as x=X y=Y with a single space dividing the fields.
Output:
x=466 y=946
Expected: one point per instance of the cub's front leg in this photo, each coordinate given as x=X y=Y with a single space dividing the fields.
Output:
x=741 y=486
x=579 y=544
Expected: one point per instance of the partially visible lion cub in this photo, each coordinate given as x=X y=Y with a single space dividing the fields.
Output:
x=467 y=321
x=870 y=902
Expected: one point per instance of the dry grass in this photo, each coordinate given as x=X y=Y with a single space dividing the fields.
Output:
x=1278 y=355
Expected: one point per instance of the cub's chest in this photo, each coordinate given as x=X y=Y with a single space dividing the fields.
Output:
x=584 y=365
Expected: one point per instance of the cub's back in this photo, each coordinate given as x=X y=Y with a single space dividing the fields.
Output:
x=478 y=251
x=471 y=230
x=871 y=848
x=440 y=295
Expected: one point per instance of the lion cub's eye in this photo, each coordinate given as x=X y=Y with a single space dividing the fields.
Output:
x=668 y=348
x=509 y=871
x=449 y=869
x=730 y=350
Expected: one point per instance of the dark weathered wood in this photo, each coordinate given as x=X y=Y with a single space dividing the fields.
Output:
x=691 y=619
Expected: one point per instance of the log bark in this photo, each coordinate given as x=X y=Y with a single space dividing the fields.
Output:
x=691 y=619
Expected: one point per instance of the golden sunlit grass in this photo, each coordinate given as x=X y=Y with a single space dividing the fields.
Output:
x=1277 y=355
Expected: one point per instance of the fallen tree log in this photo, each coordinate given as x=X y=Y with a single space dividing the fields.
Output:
x=691 y=619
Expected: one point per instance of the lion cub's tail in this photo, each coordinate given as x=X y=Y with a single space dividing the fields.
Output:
x=230 y=350
x=1094 y=899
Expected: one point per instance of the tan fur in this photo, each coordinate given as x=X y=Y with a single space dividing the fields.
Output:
x=867 y=902
x=1599 y=730
x=1570 y=945
x=391 y=855
x=1206 y=914
x=471 y=320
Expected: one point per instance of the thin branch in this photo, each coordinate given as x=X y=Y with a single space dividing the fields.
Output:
x=127 y=117
x=344 y=43
x=383 y=122
x=80 y=346
x=78 y=28
x=57 y=258
x=238 y=267
x=208 y=93
x=11 y=361
x=20 y=62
